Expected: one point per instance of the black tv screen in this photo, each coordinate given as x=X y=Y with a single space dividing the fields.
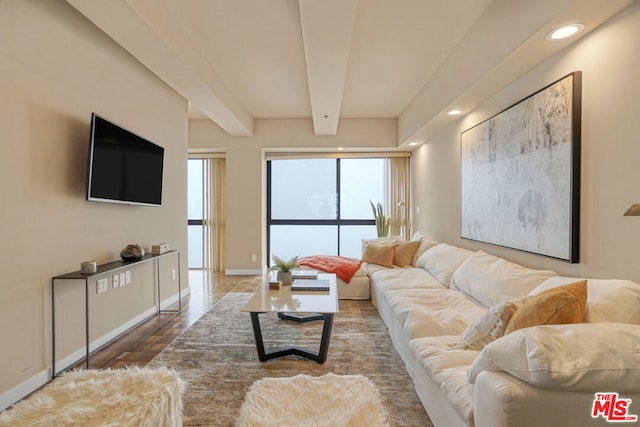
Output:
x=123 y=167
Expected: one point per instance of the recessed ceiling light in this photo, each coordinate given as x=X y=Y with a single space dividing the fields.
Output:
x=455 y=112
x=565 y=31
x=413 y=143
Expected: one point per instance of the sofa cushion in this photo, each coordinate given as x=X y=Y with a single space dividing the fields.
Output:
x=388 y=279
x=404 y=253
x=379 y=254
x=425 y=244
x=448 y=367
x=492 y=280
x=607 y=300
x=442 y=261
x=490 y=326
x=585 y=357
x=432 y=312
x=561 y=305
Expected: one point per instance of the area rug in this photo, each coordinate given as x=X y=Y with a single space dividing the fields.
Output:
x=134 y=396
x=329 y=400
x=217 y=358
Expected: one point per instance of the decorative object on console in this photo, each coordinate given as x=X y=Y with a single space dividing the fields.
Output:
x=88 y=267
x=634 y=210
x=382 y=221
x=283 y=268
x=520 y=173
x=160 y=248
x=132 y=252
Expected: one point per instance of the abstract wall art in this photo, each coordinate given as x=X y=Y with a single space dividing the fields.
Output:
x=520 y=174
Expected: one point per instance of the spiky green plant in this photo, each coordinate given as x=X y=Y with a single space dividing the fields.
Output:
x=280 y=264
x=382 y=221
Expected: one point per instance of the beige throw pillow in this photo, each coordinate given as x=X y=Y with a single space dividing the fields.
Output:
x=404 y=253
x=489 y=326
x=565 y=304
x=379 y=254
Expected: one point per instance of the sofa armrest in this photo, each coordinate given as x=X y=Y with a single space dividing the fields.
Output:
x=501 y=400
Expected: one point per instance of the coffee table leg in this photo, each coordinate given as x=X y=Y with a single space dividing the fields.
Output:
x=257 y=333
x=319 y=357
x=326 y=337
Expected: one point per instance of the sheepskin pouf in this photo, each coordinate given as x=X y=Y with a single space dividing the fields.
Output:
x=303 y=400
x=113 y=397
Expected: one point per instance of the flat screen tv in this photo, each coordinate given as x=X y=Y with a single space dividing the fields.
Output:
x=123 y=167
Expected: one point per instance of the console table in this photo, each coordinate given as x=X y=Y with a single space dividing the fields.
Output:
x=102 y=270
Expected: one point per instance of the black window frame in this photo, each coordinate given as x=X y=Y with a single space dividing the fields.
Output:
x=338 y=222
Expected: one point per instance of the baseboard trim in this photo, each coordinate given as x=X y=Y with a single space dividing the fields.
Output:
x=243 y=272
x=16 y=393
x=41 y=378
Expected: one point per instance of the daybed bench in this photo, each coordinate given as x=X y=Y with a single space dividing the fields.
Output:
x=351 y=275
x=451 y=312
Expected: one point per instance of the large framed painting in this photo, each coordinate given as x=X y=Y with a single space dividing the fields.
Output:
x=520 y=173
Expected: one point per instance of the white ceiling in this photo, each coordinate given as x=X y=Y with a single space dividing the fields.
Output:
x=237 y=60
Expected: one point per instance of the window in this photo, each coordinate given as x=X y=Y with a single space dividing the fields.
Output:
x=196 y=212
x=206 y=212
x=321 y=206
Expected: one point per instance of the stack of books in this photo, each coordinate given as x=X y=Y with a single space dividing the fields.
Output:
x=310 y=285
x=304 y=274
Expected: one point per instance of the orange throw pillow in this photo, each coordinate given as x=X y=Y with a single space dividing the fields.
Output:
x=379 y=254
x=404 y=253
x=561 y=305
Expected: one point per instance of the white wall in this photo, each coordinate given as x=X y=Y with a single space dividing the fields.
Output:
x=55 y=69
x=609 y=60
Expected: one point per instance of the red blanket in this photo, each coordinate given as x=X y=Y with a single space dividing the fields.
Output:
x=343 y=267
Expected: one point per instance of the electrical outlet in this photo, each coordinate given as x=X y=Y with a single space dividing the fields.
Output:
x=122 y=280
x=173 y=274
x=102 y=285
x=254 y=258
x=127 y=277
x=115 y=280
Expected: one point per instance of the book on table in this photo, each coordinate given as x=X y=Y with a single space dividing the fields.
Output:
x=304 y=274
x=310 y=285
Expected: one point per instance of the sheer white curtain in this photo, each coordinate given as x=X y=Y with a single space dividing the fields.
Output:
x=397 y=195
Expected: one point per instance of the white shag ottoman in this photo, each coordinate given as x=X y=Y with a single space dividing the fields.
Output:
x=328 y=400
x=113 y=397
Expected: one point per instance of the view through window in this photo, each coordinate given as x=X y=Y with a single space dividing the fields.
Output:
x=321 y=206
x=195 y=212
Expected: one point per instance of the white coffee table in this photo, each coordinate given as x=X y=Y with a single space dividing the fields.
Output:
x=294 y=303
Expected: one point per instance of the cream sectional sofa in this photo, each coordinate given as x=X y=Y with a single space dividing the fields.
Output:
x=536 y=376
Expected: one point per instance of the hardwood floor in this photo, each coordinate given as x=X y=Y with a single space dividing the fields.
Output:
x=139 y=346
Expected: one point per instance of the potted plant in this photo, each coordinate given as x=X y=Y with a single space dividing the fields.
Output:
x=382 y=222
x=283 y=268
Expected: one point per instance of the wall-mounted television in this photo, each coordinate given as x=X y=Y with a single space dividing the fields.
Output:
x=123 y=167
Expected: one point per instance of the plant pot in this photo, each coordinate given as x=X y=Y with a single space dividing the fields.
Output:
x=284 y=277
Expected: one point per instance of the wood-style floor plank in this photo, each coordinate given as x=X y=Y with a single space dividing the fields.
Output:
x=140 y=345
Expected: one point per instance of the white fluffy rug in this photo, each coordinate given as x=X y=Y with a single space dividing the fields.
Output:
x=329 y=400
x=117 y=397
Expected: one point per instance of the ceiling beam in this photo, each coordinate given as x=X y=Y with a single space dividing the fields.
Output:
x=148 y=30
x=327 y=28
